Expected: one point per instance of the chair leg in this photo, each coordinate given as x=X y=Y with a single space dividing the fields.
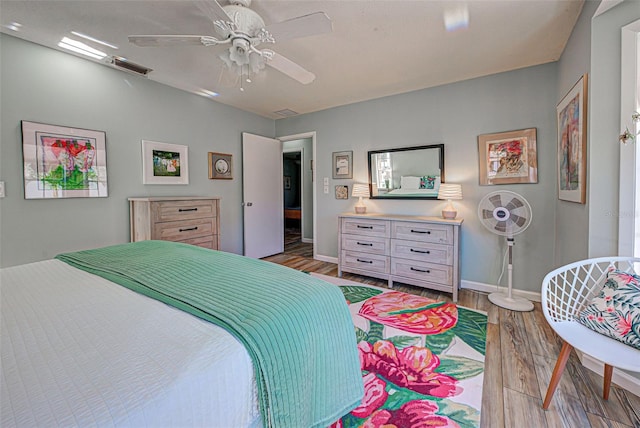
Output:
x=608 y=372
x=557 y=373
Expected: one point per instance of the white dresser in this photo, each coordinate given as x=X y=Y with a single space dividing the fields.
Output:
x=422 y=251
x=192 y=220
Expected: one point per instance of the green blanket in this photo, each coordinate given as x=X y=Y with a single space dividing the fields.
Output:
x=296 y=328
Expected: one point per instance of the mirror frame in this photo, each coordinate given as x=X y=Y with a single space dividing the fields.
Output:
x=440 y=149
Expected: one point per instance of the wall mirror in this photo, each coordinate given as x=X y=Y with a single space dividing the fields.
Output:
x=406 y=172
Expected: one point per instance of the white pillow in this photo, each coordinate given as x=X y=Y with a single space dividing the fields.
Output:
x=409 y=182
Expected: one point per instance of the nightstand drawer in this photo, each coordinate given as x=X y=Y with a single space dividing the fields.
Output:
x=425 y=232
x=421 y=251
x=366 y=244
x=357 y=226
x=422 y=271
x=364 y=261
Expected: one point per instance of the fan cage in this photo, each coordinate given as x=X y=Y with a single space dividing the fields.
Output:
x=504 y=228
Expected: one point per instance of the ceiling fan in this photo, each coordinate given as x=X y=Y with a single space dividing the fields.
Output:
x=243 y=30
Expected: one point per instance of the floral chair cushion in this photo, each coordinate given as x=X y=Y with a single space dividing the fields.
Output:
x=615 y=312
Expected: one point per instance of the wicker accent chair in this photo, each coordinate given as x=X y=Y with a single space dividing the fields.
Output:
x=565 y=292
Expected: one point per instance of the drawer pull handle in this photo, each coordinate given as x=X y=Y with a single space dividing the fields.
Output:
x=188 y=229
x=428 y=232
x=364 y=244
x=365 y=261
x=365 y=227
x=420 y=270
x=181 y=210
x=420 y=251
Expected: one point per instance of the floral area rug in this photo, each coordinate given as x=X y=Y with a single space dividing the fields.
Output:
x=422 y=360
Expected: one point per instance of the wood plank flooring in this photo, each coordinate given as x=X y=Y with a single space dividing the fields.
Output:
x=520 y=356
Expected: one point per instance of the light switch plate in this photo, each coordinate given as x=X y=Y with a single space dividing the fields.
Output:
x=326 y=189
x=1 y=189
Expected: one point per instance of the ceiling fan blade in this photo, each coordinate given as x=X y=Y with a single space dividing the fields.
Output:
x=303 y=26
x=213 y=10
x=159 y=40
x=291 y=69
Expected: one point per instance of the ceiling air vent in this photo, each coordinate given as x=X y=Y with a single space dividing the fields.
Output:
x=286 y=112
x=127 y=65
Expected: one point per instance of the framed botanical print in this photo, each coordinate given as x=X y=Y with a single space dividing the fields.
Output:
x=63 y=162
x=342 y=164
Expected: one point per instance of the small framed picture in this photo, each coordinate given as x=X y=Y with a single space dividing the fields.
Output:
x=220 y=166
x=342 y=164
x=164 y=163
x=342 y=192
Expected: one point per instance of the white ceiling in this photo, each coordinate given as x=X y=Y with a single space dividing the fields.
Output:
x=376 y=49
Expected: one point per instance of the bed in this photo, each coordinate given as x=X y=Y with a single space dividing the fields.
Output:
x=80 y=347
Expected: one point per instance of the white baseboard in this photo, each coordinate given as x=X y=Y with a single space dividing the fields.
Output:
x=619 y=377
x=327 y=259
x=307 y=240
x=489 y=288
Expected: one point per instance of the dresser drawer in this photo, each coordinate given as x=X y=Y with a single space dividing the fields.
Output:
x=183 y=210
x=209 y=242
x=421 y=271
x=422 y=251
x=425 y=232
x=366 y=244
x=184 y=229
x=365 y=261
x=356 y=226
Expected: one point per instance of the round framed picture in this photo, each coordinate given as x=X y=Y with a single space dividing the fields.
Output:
x=220 y=166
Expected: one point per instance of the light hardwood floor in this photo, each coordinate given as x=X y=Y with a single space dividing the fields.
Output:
x=520 y=356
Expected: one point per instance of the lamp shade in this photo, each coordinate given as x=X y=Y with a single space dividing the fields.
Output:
x=450 y=191
x=360 y=190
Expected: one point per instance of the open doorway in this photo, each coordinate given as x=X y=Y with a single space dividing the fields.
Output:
x=292 y=185
x=297 y=176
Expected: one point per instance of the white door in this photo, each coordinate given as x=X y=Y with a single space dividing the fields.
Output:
x=262 y=196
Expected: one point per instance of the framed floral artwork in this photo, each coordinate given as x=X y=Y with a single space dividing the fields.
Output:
x=63 y=162
x=508 y=157
x=164 y=163
x=572 y=144
x=342 y=192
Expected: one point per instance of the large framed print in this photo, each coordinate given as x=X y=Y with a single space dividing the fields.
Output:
x=508 y=157
x=572 y=144
x=164 y=163
x=63 y=162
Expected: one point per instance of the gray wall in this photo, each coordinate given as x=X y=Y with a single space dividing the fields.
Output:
x=572 y=219
x=455 y=115
x=44 y=85
x=604 y=117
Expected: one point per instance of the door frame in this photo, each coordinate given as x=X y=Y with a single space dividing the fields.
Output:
x=312 y=136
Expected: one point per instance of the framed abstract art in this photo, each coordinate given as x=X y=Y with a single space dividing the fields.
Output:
x=508 y=157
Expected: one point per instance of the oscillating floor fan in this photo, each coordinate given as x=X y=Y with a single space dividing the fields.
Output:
x=507 y=214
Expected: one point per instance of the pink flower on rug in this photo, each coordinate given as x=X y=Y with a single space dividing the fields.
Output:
x=374 y=396
x=412 y=368
x=417 y=413
x=410 y=313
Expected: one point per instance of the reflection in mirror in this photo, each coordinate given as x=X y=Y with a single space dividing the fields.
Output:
x=407 y=172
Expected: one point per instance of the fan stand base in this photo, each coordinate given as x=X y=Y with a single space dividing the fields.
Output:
x=512 y=303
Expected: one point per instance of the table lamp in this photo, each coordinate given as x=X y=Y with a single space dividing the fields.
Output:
x=360 y=190
x=449 y=192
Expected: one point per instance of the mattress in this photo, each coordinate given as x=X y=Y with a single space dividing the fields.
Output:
x=78 y=350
